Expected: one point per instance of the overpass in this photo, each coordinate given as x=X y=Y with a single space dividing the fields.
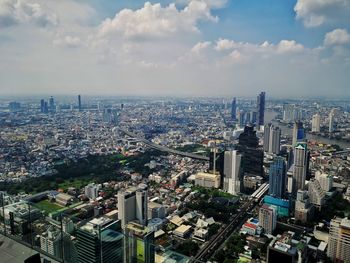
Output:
x=164 y=148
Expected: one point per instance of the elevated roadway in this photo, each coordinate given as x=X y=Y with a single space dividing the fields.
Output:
x=164 y=148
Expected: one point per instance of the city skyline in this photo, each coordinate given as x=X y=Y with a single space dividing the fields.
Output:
x=182 y=48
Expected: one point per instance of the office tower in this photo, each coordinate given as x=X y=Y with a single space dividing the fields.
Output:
x=52 y=104
x=288 y=112
x=339 y=240
x=253 y=116
x=315 y=123
x=277 y=178
x=331 y=120
x=303 y=207
x=326 y=181
x=268 y=218
x=247 y=118
x=130 y=208
x=59 y=244
x=300 y=166
x=139 y=244
x=233 y=109
x=79 y=103
x=99 y=241
x=252 y=156
x=241 y=118
x=141 y=206
x=232 y=175
x=298 y=133
x=316 y=193
x=91 y=190
x=43 y=106
x=156 y=210
x=267 y=128
x=274 y=140
x=261 y=108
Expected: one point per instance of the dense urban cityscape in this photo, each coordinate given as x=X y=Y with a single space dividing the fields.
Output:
x=85 y=179
x=175 y=131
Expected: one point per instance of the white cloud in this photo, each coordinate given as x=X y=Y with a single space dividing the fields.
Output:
x=156 y=21
x=289 y=46
x=337 y=37
x=68 y=41
x=215 y=4
x=224 y=44
x=200 y=46
x=14 y=12
x=314 y=13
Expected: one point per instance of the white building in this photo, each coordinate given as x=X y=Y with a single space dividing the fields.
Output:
x=315 y=123
x=316 y=193
x=132 y=205
x=91 y=190
x=339 y=240
x=232 y=165
x=208 y=180
x=300 y=166
x=268 y=218
x=326 y=180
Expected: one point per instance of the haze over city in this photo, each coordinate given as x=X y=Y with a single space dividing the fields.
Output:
x=184 y=48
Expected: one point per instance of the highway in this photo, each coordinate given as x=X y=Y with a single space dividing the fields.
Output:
x=209 y=248
x=163 y=148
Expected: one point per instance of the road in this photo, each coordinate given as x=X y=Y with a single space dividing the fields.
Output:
x=163 y=148
x=209 y=248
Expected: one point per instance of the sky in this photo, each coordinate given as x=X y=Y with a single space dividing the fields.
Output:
x=289 y=48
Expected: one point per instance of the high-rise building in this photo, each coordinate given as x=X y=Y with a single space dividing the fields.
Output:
x=339 y=240
x=267 y=128
x=303 y=208
x=325 y=180
x=79 y=103
x=232 y=175
x=261 y=108
x=130 y=207
x=288 y=112
x=59 y=244
x=241 y=118
x=91 y=190
x=100 y=241
x=142 y=206
x=300 y=166
x=275 y=140
x=268 y=218
x=316 y=193
x=252 y=156
x=315 y=123
x=331 y=120
x=298 y=133
x=139 y=244
x=52 y=104
x=277 y=178
x=233 y=109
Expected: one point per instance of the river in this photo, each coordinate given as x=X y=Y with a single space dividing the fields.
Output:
x=270 y=115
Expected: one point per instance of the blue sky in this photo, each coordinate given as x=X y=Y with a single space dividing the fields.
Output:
x=289 y=48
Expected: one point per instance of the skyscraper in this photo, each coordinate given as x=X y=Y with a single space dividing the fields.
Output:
x=339 y=240
x=252 y=156
x=261 y=108
x=275 y=140
x=79 y=103
x=298 y=132
x=268 y=218
x=233 y=109
x=232 y=176
x=316 y=193
x=52 y=104
x=331 y=120
x=277 y=178
x=315 y=123
x=300 y=166
x=132 y=205
x=100 y=241
x=42 y=105
x=267 y=137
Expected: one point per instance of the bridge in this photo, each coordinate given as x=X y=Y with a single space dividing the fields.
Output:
x=164 y=148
